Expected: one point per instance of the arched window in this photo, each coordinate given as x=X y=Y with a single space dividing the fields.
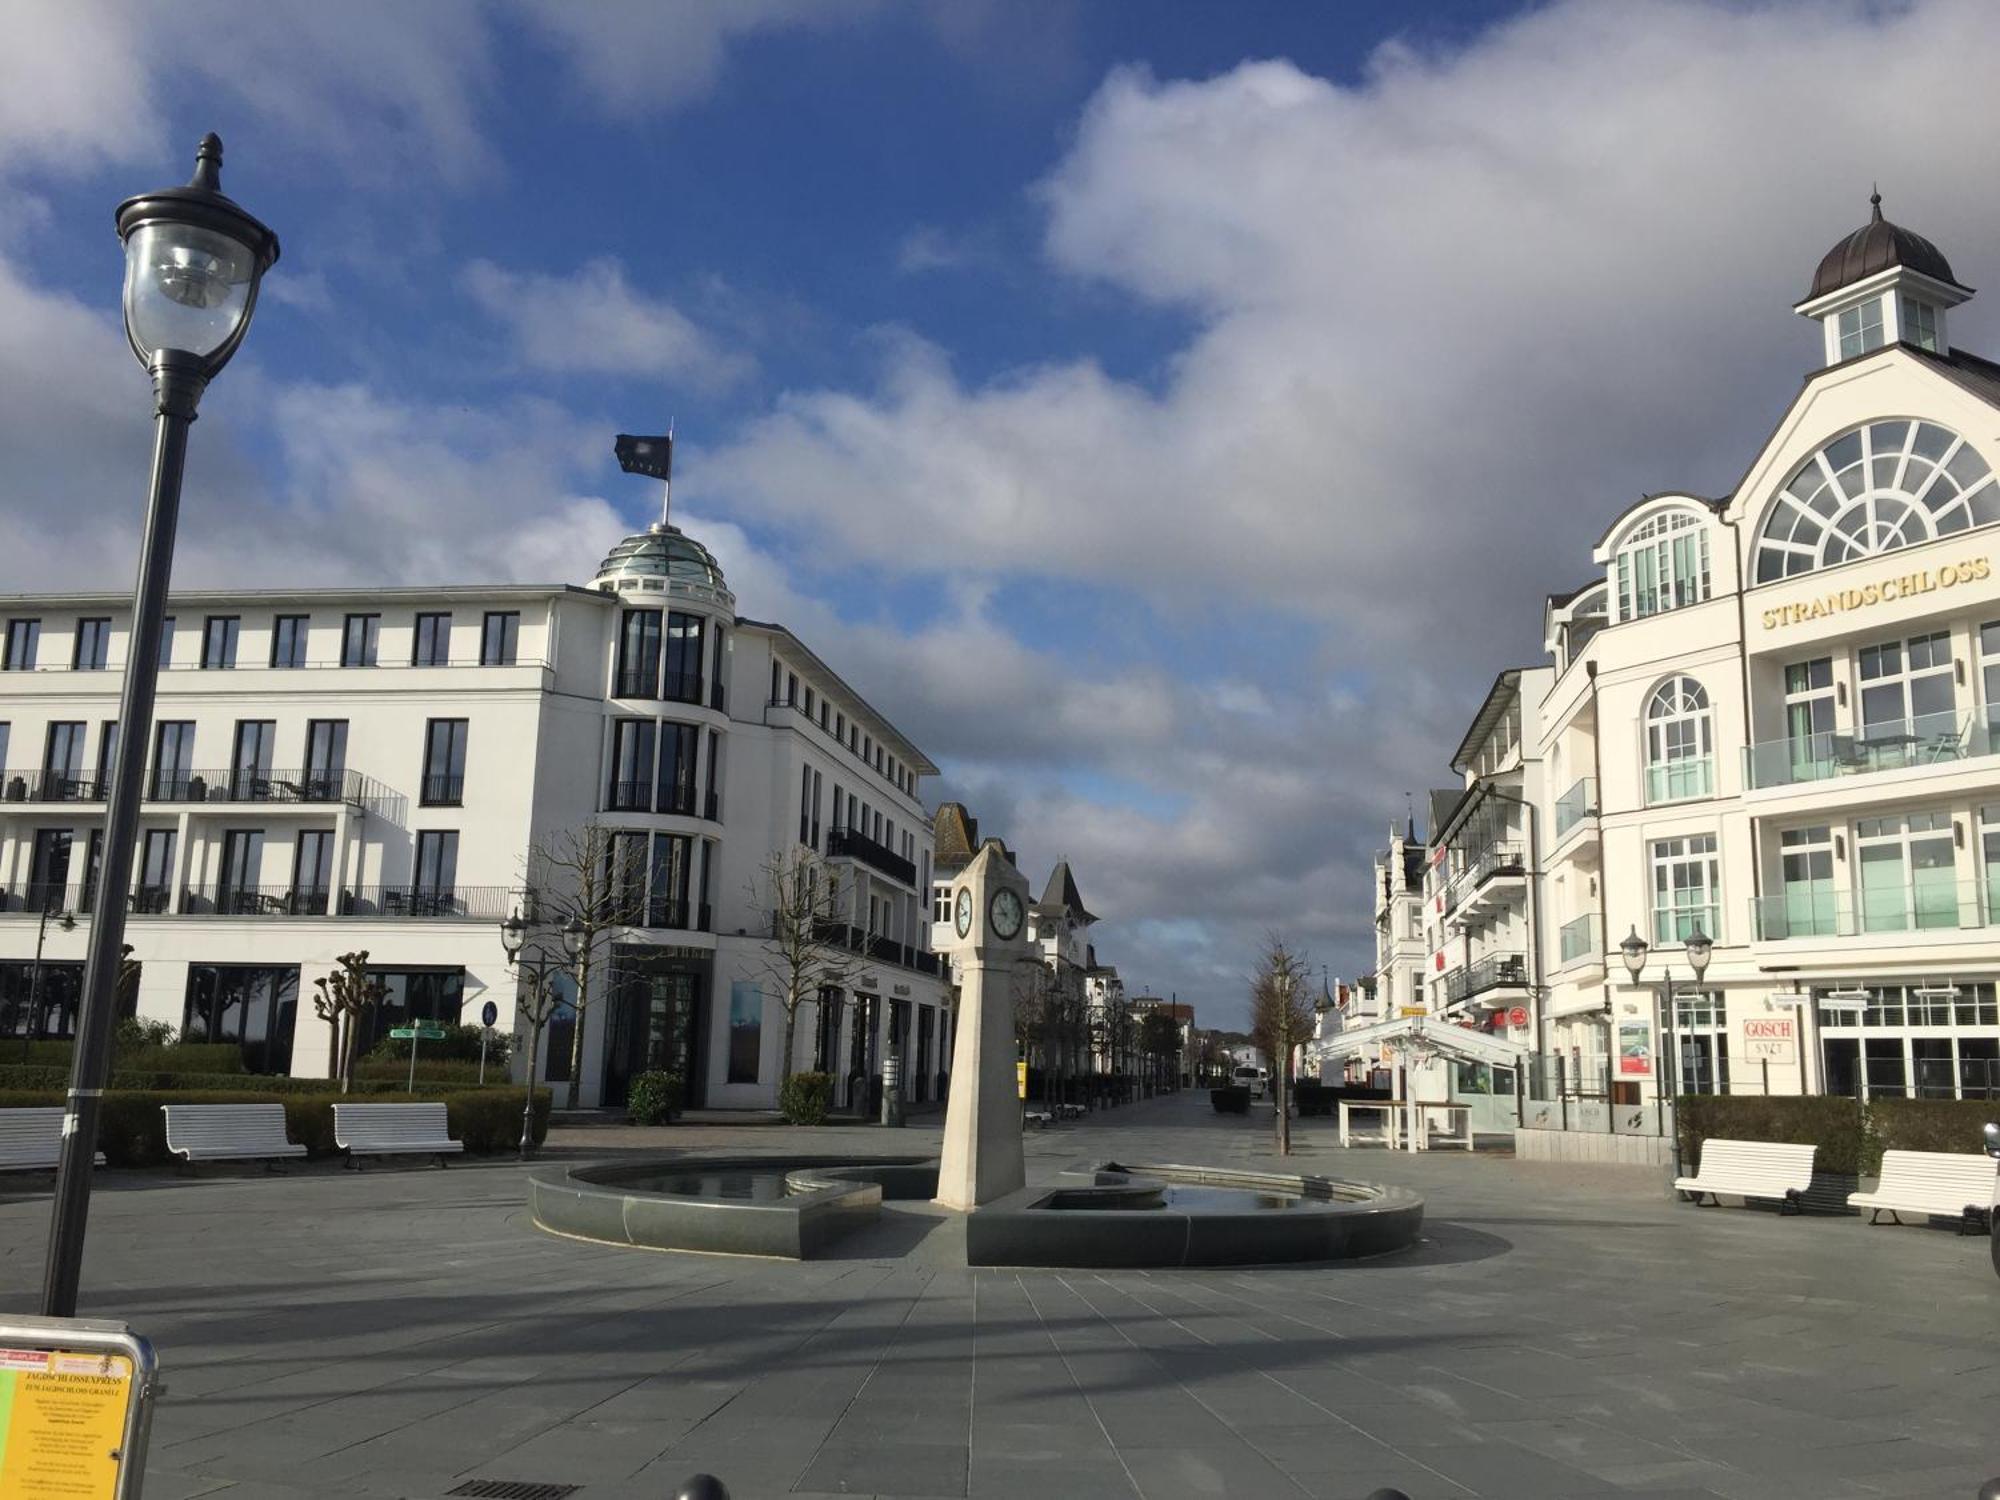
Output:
x=1662 y=564
x=1680 y=749
x=1884 y=486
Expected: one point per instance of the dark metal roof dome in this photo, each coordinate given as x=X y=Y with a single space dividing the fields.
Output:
x=1876 y=246
x=662 y=557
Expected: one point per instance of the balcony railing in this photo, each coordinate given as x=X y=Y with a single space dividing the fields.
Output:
x=51 y=786
x=443 y=791
x=1673 y=925
x=1674 y=780
x=683 y=916
x=463 y=903
x=1576 y=804
x=846 y=843
x=1926 y=740
x=257 y=785
x=1493 y=972
x=255 y=901
x=1821 y=911
x=872 y=945
x=1581 y=937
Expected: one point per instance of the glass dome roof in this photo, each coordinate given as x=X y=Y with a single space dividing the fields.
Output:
x=661 y=557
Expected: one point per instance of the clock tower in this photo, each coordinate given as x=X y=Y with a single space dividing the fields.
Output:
x=982 y=1157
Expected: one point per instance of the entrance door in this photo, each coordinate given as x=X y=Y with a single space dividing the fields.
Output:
x=654 y=1026
x=920 y=1076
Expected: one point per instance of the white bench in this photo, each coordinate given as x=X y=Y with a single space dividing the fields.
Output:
x=1040 y=1117
x=1931 y=1182
x=229 y=1132
x=1752 y=1169
x=31 y=1139
x=393 y=1130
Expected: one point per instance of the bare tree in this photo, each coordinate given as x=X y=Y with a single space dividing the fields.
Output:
x=807 y=952
x=1034 y=1011
x=1159 y=1039
x=586 y=883
x=537 y=1006
x=1280 y=1018
x=345 y=995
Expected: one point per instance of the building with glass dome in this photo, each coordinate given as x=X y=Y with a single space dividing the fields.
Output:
x=335 y=771
x=1772 y=716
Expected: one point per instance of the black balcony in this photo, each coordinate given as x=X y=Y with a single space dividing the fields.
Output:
x=443 y=791
x=481 y=903
x=845 y=843
x=258 y=785
x=254 y=901
x=1496 y=971
x=870 y=945
x=53 y=786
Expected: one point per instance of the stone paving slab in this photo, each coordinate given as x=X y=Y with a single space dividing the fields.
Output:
x=1564 y=1331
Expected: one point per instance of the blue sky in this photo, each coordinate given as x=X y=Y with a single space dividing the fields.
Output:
x=1172 y=414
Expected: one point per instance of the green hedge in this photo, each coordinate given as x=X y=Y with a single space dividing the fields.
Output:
x=181 y=1057
x=1850 y=1140
x=248 y=1083
x=132 y=1131
x=429 y=1069
x=805 y=1098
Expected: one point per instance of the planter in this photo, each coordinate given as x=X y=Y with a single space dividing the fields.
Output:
x=1230 y=1101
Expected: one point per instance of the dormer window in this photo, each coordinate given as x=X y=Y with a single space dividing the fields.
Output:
x=1662 y=565
x=1920 y=324
x=1861 y=328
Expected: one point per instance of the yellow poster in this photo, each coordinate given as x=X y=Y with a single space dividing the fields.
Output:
x=1021 y=1079
x=62 y=1422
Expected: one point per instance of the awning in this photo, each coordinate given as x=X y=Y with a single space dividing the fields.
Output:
x=1409 y=1033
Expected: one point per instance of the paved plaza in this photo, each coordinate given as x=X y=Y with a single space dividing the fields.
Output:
x=1563 y=1332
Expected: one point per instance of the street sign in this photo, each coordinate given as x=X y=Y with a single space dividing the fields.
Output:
x=489 y=1013
x=419 y=1033
x=1518 y=1016
x=76 y=1398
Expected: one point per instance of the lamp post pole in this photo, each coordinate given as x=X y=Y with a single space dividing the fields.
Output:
x=193 y=263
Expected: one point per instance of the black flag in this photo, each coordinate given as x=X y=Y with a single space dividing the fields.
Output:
x=652 y=456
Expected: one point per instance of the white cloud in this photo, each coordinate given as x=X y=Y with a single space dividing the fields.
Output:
x=595 y=322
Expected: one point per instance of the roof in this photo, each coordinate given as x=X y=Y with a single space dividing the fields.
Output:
x=859 y=707
x=1979 y=376
x=1061 y=891
x=955 y=836
x=1877 y=246
x=1444 y=804
x=391 y=593
x=1506 y=688
x=661 y=552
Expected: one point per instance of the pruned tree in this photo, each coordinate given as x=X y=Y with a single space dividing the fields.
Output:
x=587 y=882
x=1280 y=1018
x=807 y=952
x=537 y=1005
x=1034 y=1010
x=342 y=998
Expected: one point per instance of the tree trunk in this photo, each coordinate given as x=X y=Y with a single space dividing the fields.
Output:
x=347 y=1024
x=582 y=1010
x=1284 y=1103
x=791 y=1035
x=534 y=1047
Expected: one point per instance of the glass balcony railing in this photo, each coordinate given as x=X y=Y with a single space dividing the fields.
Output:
x=1576 y=804
x=1821 y=911
x=1926 y=740
x=1581 y=937
x=1673 y=925
x=1673 y=780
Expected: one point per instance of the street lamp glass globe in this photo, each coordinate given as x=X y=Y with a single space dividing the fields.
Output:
x=186 y=287
x=1700 y=948
x=513 y=932
x=1634 y=949
x=573 y=934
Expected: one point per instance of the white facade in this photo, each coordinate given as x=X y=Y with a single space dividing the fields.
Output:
x=334 y=771
x=1773 y=716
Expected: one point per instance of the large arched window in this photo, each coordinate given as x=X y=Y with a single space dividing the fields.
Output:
x=1680 y=747
x=1884 y=486
x=1662 y=564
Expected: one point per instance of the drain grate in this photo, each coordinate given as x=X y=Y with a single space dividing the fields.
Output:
x=514 y=1489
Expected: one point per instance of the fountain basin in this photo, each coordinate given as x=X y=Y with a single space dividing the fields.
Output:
x=1167 y=1214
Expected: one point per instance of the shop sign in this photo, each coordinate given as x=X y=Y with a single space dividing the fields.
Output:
x=1518 y=1016
x=1774 y=1038
x=1885 y=591
x=901 y=989
x=1635 y=1049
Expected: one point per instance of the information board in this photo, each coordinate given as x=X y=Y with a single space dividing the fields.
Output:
x=63 y=1415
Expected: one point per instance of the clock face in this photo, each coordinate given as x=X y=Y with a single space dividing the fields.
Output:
x=1006 y=913
x=962 y=917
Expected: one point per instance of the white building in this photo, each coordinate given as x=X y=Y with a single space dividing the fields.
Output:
x=1772 y=715
x=336 y=770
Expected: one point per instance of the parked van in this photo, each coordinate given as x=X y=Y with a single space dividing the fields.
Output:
x=1257 y=1080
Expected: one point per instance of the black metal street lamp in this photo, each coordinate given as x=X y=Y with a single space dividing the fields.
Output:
x=1700 y=948
x=193 y=262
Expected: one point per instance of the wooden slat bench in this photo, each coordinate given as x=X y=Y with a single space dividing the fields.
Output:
x=1932 y=1182
x=31 y=1139
x=229 y=1132
x=393 y=1130
x=1752 y=1169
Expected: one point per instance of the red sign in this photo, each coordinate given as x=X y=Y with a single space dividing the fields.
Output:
x=1518 y=1016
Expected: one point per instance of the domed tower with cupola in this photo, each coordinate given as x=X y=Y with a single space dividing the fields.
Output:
x=1882 y=285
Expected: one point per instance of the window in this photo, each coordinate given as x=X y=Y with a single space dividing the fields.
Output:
x=805 y=804
x=48 y=870
x=1879 y=488
x=62 y=761
x=1809 y=904
x=93 y=643
x=839 y=726
x=288 y=641
x=24 y=641
x=1662 y=565
x=838 y=822
x=107 y=756
x=312 y=872
x=812 y=701
x=173 y=760
x=1989 y=853
x=360 y=640
x=1989 y=672
x=250 y=765
x=326 y=759
x=791 y=690
x=1808 y=715
x=675 y=789
x=817 y=787
x=154 y=892
x=777 y=679
x=1909 y=703
x=639 y=654
x=1861 y=328
x=631 y=765
x=1908 y=875
x=1687 y=889
x=716 y=698
x=667 y=903
x=242 y=871
x=822 y=713
x=1920 y=324
x=256 y=1007
x=500 y=638
x=4 y=730
x=218 y=642
x=166 y=643
x=437 y=868
x=1679 y=751
x=683 y=661
x=432 y=645
x=713 y=810
x=444 y=762
x=409 y=996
